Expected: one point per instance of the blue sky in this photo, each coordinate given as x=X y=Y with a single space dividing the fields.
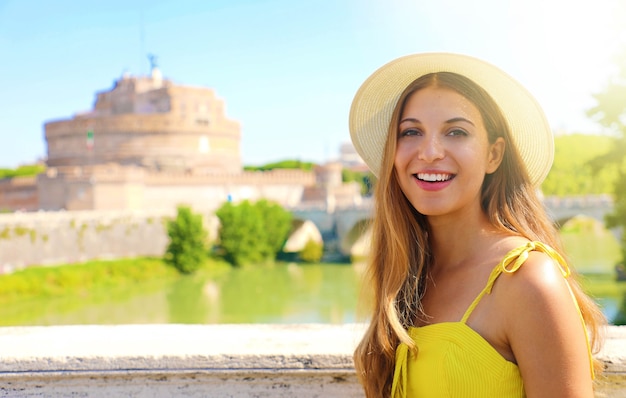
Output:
x=287 y=69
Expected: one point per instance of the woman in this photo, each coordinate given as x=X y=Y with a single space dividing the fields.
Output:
x=471 y=295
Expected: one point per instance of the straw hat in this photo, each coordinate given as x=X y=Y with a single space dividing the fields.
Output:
x=375 y=100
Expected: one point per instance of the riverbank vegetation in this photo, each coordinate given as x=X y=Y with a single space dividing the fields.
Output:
x=87 y=278
x=253 y=233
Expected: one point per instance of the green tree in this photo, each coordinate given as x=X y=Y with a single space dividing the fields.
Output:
x=572 y=174
x=240 y=225
x=23 y=171
x=187 y=249
x=364 y=178
x=283 y=164
x=252 y=233
x=610 y=113
x=276 y=226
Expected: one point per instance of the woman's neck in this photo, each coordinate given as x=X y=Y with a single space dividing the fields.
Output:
x=455 y=240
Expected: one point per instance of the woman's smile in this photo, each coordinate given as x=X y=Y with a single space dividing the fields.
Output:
x=433 y=177
x=433 y=181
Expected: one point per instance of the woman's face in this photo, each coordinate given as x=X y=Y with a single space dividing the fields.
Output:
x=442 y=152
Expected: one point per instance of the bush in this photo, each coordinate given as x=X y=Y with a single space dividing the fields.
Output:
x=188 y=249
x=363 y=178
x=312 y=252
x=252 y=233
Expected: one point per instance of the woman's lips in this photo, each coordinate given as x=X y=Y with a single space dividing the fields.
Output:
x=433 y=181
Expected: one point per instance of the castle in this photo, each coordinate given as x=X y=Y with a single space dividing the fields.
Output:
x=150 y=143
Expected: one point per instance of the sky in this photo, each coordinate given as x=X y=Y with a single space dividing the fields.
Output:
x=288 y=69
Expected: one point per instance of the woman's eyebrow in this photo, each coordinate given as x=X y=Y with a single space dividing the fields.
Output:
x=459 y=119
x=449 y=121
x=409 y=119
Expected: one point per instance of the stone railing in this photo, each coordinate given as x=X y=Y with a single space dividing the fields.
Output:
x=206 y=361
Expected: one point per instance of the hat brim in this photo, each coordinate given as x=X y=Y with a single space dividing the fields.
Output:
x=374 y=102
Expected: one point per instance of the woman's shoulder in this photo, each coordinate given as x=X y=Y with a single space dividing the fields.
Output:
x=536 y=272
x=534 y=288
x=533 y=267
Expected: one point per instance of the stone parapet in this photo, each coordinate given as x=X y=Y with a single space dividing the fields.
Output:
x=179 y=361
x=254 y=178
x=312 y=360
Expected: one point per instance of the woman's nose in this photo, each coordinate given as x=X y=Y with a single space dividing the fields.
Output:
x=431 y=149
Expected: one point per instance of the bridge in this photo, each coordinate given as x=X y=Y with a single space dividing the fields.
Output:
x=344 y=229
x=562 y=209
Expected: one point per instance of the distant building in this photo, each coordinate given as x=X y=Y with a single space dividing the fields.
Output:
x=149 y=143
x=151 y=123
x=350 y=159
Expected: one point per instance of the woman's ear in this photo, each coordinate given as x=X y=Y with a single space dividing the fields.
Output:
x=495 y=155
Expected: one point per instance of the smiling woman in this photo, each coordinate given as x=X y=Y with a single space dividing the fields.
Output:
x=466 y=269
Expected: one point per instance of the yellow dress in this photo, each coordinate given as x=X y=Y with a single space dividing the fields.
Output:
x=455 y=361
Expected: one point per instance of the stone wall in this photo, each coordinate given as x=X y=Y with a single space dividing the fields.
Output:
x=154 y=361
x=46 y=238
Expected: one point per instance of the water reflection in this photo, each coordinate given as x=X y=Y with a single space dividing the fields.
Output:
x=283 y=293
x=186 y=302
x=287 y=293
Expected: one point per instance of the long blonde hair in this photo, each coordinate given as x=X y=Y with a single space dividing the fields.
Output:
x=400 y=252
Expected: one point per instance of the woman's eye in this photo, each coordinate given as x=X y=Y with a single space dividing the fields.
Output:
x=409 y=132
x=457 y=132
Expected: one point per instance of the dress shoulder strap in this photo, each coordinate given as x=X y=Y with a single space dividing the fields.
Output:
x=511 y=262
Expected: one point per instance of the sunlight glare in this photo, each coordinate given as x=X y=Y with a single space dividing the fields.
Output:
x=566 y=52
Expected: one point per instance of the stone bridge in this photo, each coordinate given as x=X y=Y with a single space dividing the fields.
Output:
x=344 y=229
x=562 y=209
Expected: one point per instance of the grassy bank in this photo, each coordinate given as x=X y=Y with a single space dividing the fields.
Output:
x=90 y=277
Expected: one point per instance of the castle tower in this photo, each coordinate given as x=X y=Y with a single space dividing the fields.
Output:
x=151 y=123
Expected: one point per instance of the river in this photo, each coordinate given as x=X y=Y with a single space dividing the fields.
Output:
x=286 y=293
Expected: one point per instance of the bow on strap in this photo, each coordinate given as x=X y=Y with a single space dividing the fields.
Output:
x=516 y=257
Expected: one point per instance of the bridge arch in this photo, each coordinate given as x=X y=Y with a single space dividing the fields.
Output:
x=357 y=241
x=302 y=231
